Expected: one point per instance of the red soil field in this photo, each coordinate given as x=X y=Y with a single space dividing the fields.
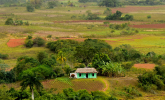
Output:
x=149 y=26
x=15 y=42
x=145 y=66
x=129 y=9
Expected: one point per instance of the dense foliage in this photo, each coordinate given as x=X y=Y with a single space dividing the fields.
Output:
x=87 y=49
x=52 y=4
x=153 y=80
x=143 y=2
x=110 y=3
x=10 y=21
x=29 y=42
x=67 y=94
x=30 y=8
x=117 y=16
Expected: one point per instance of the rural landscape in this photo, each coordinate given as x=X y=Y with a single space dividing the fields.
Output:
x=82 y=49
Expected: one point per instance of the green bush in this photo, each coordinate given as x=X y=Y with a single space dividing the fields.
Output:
x=9 y=21
x=149 y=16
x=49 y=36
x=39 y=41
x=72 y=17
x=26 y=23
x=127 y=65
x=52 y=4
x=42 y=55
x=18 y=22
x=151 y=78
x=106 y=23
x=29 y=43
x=29 y=37
x=132 y=91
x=30 y=8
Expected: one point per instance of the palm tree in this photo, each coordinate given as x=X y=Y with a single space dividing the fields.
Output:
x=112 y=69
x=30 y=79
x=61 y=57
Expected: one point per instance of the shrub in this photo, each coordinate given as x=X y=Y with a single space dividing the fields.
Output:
x=52 y=4
x=39 y=41
x=30 y=8
x=72 y=17
x=132 y=91
x=58 y=70
x=18 y=22
x=105 y=23
x=149 y=16
x=29 y=43
x=127 y=65
x=67 y=69
x=42 y=55
x=49 y=36
x=26 y=23
x=29 y=37
x=9 y=21
x=151 y=78
x=127 y=17
x=107 y=11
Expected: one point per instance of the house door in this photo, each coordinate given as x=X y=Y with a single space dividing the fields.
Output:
x=87 y=75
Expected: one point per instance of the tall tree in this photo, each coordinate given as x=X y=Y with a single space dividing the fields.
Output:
x=87 y=49
x=30 y=78
x=61 y=57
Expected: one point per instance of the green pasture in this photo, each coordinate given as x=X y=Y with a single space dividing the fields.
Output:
x=142 y=43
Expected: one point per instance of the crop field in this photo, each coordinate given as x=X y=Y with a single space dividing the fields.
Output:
x=143 y=34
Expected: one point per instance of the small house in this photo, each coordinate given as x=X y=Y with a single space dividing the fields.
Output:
x=84 y=73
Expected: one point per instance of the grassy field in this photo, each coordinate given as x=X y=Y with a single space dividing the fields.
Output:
x=44 y=22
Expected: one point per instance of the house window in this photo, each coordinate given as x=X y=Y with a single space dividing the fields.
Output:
x=80 y=74
x=93 y=74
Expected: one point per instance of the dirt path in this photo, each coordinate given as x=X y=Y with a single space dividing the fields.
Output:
x=106 y=84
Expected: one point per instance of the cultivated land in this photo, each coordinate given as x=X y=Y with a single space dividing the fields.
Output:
x=58 y=23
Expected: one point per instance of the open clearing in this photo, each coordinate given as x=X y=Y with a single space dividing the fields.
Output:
x=145 y=66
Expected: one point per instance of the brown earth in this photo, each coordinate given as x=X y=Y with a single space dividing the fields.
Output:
x=149 y=26
x=145 y=66
x=15 y=42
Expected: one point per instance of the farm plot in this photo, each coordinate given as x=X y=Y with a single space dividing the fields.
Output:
x=145 y=66
x=153 y=26
x=15 y=42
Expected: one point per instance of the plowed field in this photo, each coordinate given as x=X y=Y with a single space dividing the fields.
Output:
x=15 y=42
x=145 y=66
